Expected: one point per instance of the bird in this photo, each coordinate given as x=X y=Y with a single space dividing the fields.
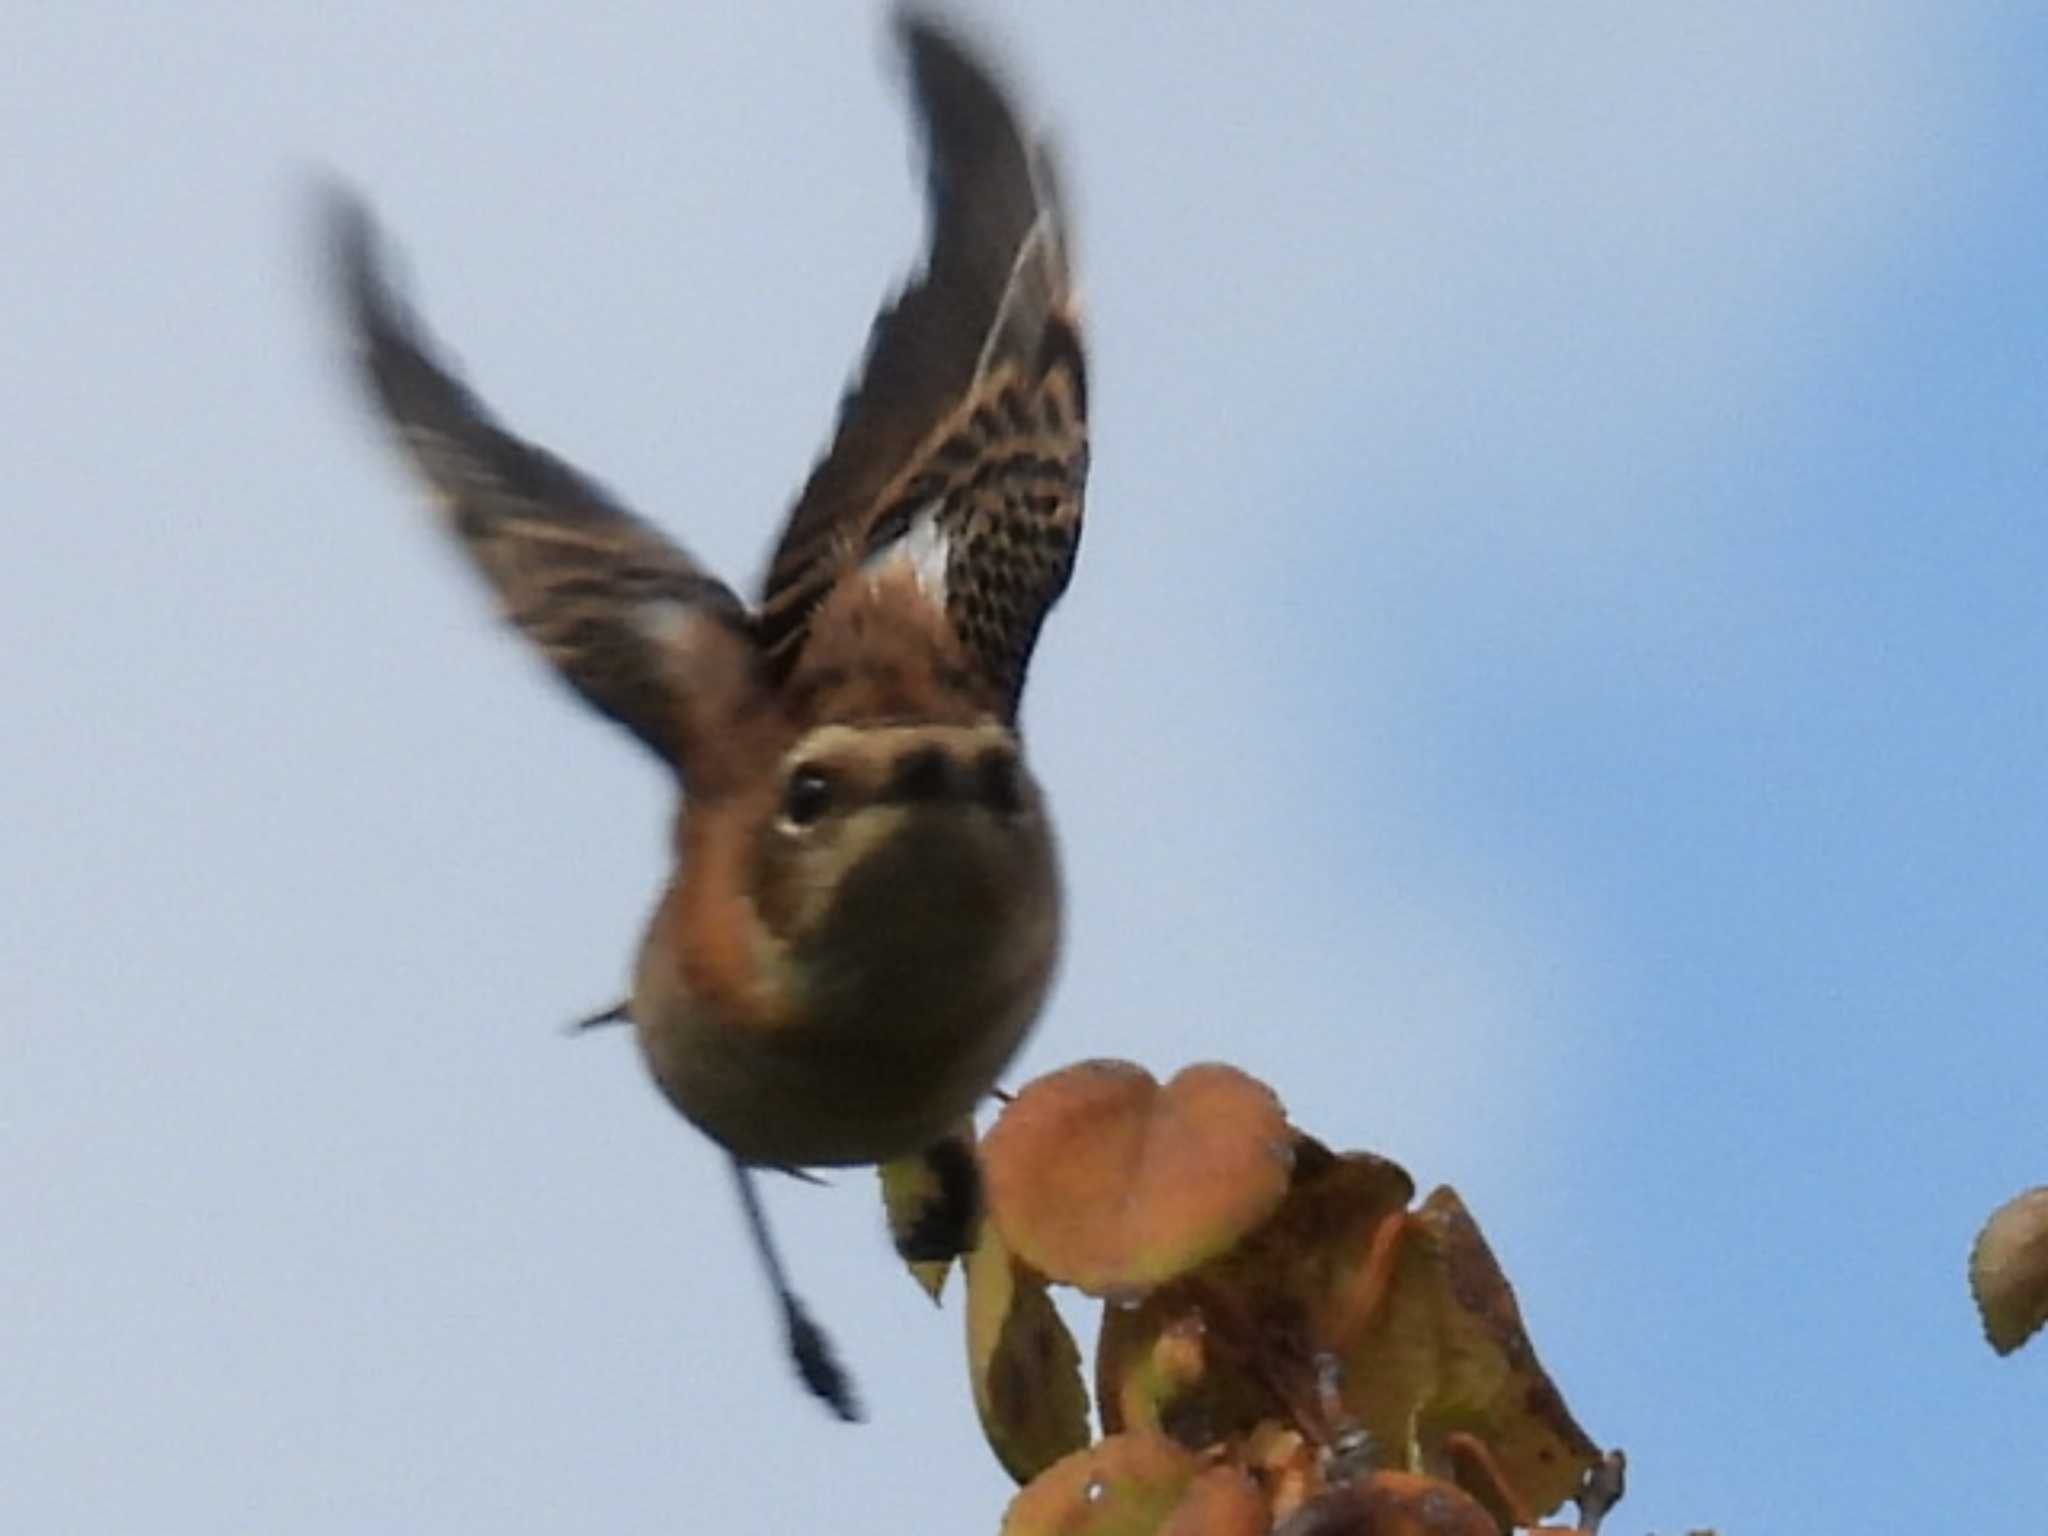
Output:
x=864 y=914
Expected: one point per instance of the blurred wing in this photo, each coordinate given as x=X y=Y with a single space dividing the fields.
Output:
x=608 y=599
x=963 y=446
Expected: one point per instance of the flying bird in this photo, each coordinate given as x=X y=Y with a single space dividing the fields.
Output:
x=864 y=912
x=865 y=908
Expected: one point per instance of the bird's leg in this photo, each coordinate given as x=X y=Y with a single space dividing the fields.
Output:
x=618 y=1013
x=808 y=1345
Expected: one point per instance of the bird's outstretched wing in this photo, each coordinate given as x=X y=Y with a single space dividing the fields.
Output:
x=612 y=602
x=963 y=444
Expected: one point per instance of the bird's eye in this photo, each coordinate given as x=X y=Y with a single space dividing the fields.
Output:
x=807 y=796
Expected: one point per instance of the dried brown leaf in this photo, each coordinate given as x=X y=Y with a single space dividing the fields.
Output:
x=2009 y=1271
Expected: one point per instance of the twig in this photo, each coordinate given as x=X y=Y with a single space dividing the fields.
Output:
x=1605 y=1482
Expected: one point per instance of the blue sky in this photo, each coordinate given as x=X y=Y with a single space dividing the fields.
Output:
x=1553 y=684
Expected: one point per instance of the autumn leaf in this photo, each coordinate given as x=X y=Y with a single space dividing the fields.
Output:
x=1326 y=1245
x=1103 y=1179
x=1126 y=1485
x=2009 y=1271
x=1390 y=1504
x=1162 y=1366
x=1201 y=1357
x=1276 y=1309
x=1022 y=1363
x=1444 y=1352
x=1148 y=1360
x=1288 y=1467
x=1221 y=1502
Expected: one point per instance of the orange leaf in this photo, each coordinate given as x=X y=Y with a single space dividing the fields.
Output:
x=1126 y=1485
x=1390 y=1504
x=1103 y=1179
x=1206 y=1357
x=1221 y=1502
x=1286 y=1465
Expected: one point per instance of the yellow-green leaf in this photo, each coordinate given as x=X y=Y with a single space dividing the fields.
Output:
x=1443 y=1352
x=1022 y=1362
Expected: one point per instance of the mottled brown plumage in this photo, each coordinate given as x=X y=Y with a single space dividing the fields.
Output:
x=971 y=408
x=863 y=918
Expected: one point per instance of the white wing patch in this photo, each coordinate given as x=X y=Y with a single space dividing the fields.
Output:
x=663 y=622
x=922 y=548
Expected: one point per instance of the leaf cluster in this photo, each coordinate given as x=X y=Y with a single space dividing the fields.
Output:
x=1289 y=1342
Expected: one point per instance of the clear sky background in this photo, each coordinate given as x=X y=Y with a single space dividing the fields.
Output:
x=1555 y=683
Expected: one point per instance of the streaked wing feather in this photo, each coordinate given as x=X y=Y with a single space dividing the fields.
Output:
x=972 y=399
x=596 y=588
x=1004 y=487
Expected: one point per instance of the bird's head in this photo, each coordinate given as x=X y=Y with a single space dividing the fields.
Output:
x=900 y=845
